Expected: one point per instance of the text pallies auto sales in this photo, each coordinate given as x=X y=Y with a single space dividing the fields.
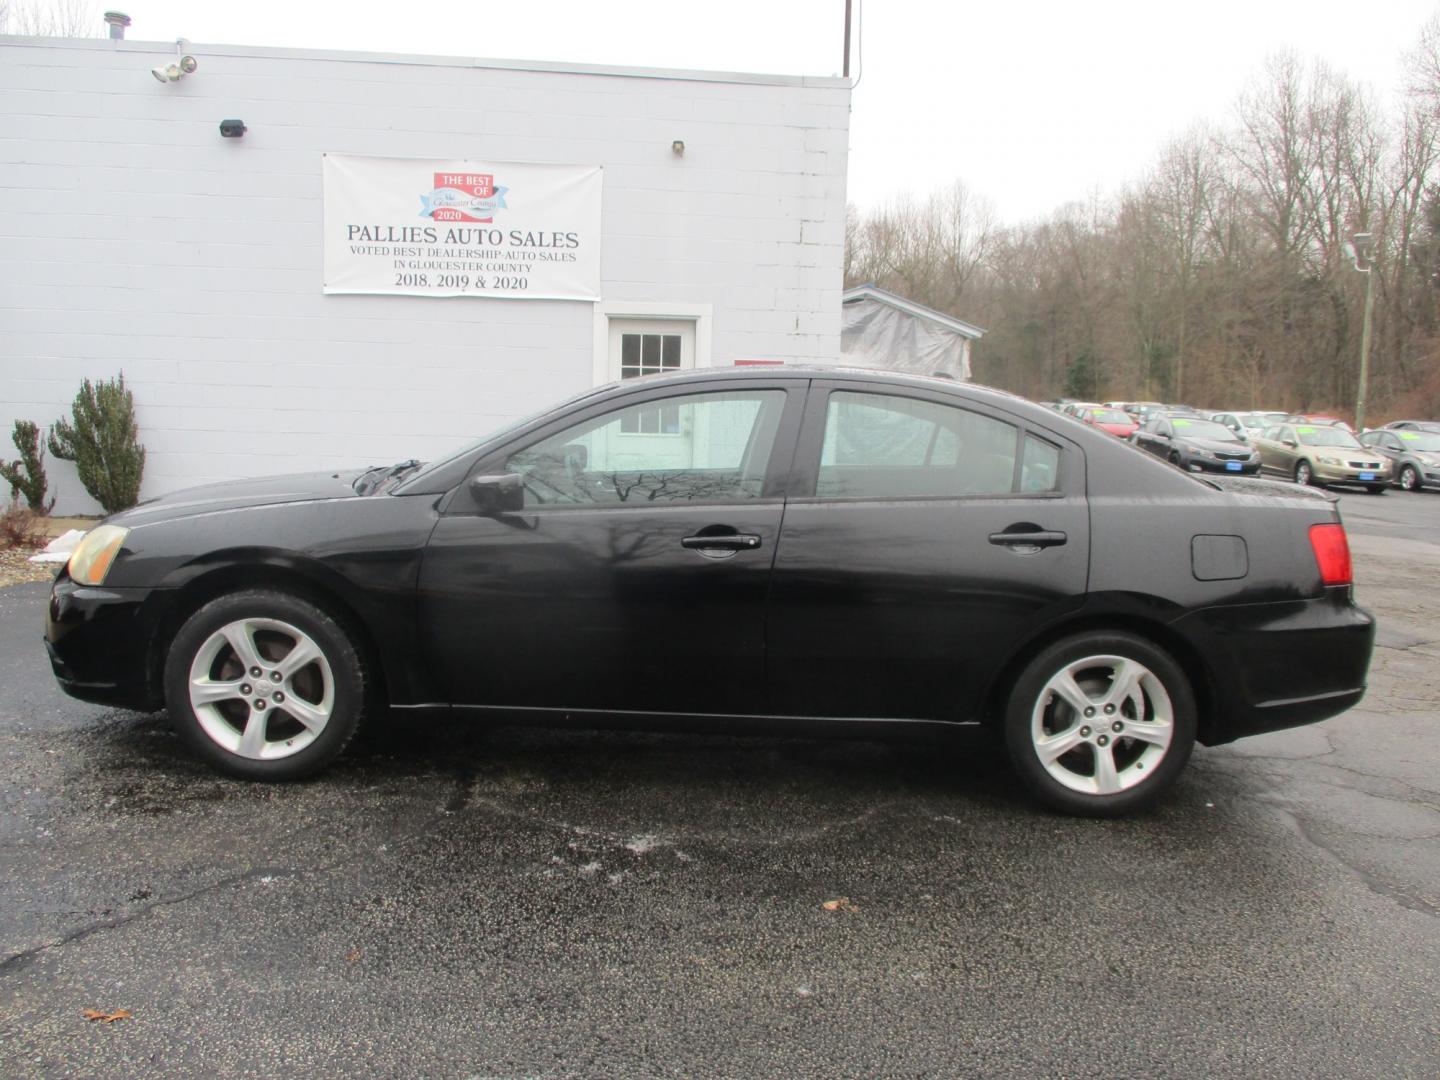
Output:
x=461 y=236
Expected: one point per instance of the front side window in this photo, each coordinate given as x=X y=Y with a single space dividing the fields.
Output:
x=882 y=446
x=718 y=453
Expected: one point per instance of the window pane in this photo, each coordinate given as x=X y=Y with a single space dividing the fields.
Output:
x=672 y=350
x=717 y=448
x=879 y=446
x=1040 y=469
x=652 y=351
x=629 y=372
x=630 y=350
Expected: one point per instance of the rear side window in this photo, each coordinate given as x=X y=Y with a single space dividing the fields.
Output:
x=883 y=446
x=1040 y=467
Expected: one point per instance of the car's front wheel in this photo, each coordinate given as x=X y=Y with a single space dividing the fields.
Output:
x=1410 y=478
x=264 y=685
x=1376 y=489
x=1099 y=724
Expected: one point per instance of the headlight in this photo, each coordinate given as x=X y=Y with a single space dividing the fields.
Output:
x=1326 y=459
x=90 y=561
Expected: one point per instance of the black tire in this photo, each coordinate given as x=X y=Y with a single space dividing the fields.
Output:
x=346 y=692
x=1410 y=478
x=1175 y=459
x=1030 y=693
x=1377 y=489
x=1304 y=473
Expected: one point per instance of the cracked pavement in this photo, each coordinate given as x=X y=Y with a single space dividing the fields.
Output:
x=455 y=900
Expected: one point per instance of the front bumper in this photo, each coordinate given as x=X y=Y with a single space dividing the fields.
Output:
x=1280 y=665
x=1344 y=474
x=101 y=643
x=1247 y=468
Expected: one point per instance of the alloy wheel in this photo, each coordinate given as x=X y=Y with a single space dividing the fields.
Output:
x=1409 y=478
x=261 y=688
x=1102 y=724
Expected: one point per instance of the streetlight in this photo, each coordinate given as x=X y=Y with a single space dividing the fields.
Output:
x=1362 y=250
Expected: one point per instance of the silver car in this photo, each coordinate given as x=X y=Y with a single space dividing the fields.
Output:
x=1414 y=455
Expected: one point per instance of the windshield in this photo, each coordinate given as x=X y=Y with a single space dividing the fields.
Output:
x=1421 y=441
x=1326 y=436
x=1111 y=416
x=1250 y=420
x=1204 y=429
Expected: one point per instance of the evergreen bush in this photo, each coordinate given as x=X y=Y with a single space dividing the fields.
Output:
x=102 y=442
x=27 y=476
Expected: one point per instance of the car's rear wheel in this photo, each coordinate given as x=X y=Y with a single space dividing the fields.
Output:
x=1304 y=475
x=264 y=685
x=1100 y=724
x=1410 y=478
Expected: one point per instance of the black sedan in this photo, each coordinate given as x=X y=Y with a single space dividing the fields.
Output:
x=1195 y=443
x=764 y=549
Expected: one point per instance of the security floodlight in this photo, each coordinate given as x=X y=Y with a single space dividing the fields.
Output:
x=184 y=65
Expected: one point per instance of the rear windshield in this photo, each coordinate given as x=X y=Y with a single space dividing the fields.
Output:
x=1326 y=436
x=1111 y=416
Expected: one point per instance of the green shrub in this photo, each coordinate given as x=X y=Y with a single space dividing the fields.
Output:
x=27 y=476
x=102 y=443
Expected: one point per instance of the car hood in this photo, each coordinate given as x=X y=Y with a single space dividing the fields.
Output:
x=1219 y=445
x=240 y=494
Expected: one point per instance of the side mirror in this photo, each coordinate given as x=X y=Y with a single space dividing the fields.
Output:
x=495 y=495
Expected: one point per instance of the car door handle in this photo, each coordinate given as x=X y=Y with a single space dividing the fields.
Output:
x=1040 y=538
x=724 y=542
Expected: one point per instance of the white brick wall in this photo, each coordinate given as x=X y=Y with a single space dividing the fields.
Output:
x=132 y=236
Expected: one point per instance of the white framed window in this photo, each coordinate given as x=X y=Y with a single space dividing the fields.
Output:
x=691 y=322
x=640 y=347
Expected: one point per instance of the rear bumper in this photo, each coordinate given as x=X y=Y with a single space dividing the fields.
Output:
x=1282 y=665
x=100 y=643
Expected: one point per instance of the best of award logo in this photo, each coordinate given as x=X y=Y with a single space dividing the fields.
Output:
x=463 y=197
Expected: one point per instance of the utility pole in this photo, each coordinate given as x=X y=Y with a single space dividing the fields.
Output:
x=1364 y=252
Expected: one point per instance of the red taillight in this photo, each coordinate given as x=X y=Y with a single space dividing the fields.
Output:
x=1332 y=553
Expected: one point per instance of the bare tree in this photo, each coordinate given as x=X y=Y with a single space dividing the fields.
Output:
x=50 y=18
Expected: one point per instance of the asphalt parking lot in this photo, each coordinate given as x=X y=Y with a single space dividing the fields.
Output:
x=458 y=901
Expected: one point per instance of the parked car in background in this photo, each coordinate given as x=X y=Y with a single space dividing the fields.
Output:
x=1144 y=410
x=1414 y=455
x=1246 y=424
x=1413 y=425
x=1320 y=454
x=1318 y=420
x=1196 y=443
x=1183 y=410
x=810 y=549
x=1117 y=423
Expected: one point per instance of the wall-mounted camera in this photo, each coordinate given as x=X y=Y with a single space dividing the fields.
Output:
x=232 y=129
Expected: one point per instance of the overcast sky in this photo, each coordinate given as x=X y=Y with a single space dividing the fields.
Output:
x=1033 y=103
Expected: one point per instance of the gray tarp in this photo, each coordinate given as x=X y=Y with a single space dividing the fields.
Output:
x=879 y=336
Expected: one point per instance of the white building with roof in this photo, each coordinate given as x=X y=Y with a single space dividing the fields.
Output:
x=694 y=218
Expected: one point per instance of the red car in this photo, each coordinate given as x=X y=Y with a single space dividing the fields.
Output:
x=1120 y=424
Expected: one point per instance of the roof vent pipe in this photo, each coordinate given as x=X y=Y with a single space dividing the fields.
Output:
x=118 y=21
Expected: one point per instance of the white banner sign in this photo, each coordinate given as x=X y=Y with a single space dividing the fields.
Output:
x=461 y=228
